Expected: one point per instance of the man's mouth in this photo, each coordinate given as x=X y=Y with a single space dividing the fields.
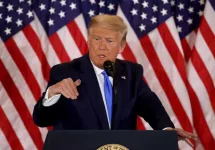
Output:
x=102 y=56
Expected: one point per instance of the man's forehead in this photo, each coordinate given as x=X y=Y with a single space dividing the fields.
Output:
x=104 y=32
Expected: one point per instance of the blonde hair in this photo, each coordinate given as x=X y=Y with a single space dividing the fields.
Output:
x=111 y=22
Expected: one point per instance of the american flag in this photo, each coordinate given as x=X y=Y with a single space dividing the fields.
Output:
x=174 y=41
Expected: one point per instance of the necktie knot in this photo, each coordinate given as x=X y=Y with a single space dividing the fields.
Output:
x=104 y=74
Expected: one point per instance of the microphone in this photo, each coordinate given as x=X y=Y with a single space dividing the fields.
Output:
x=110 y=68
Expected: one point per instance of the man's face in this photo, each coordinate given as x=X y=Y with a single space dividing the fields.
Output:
x=104 y=44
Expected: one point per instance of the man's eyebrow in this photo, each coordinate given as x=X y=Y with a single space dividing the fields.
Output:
x=110 y=37
x=113 y=37
x=95 y=35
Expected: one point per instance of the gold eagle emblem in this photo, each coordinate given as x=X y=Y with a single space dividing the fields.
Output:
x=112 y=147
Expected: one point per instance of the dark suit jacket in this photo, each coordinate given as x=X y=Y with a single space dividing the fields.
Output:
x=88 y=111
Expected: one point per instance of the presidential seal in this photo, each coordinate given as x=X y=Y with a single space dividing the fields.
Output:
x=112 y=147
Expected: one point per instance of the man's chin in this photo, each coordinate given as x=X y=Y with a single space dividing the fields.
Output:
x=99 y=64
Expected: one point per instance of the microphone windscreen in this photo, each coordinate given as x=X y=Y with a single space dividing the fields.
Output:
x=109 y=67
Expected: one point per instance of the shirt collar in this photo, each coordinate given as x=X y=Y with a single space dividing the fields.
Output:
x=97 y=70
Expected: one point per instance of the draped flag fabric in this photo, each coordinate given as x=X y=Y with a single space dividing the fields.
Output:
x=174 y=41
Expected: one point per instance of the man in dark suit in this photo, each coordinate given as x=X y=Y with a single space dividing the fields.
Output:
x=77 y=93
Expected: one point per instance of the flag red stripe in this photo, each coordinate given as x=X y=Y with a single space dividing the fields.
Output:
x=23 y=67
x=59 y=48
x=204 y=133
x=174 y=51
x=9 y=132
x=186 y=49
x=204 y=75
x=20 y=106
x=165 y=83
x=36 y=45
x=128 y=55
x=208 y=35
x=78 y=37
x=140 y=125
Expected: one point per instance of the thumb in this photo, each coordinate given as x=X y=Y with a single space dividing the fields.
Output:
x=78 y=82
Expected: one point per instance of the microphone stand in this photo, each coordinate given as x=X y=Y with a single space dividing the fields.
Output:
x=114 y=102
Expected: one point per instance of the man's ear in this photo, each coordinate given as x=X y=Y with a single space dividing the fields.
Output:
x=122 y=47
x=88 y=39
x=121 y=50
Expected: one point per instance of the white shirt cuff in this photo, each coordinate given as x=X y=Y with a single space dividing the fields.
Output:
x=50 y=101
x=167 y=128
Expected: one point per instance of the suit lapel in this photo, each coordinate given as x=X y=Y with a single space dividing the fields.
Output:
x=90 y=81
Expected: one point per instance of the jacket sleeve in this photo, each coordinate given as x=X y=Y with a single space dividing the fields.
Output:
x=150 y=107
x=47 y=116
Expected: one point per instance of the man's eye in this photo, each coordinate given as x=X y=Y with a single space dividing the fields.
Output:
x=110 y=41
x=96 y=39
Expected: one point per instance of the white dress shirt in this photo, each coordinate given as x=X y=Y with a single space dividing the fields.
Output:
x=52 y=100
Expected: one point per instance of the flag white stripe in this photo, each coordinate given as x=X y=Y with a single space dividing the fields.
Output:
x=4 y=145
x=199 y=145
x=120 y=56
x=43 y=132
x=209 y=14
x=184 y=146
x=15 y=121
x=173 y=30
x=69 y=43
x=206 y=55
x=82 y=26
x=31 y=58
x=191 y=38
x=146 y=124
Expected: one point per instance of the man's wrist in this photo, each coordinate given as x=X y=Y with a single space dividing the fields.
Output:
x=50 y=94
x=49 y=101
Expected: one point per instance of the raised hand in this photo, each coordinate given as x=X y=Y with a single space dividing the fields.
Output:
x=66 y=87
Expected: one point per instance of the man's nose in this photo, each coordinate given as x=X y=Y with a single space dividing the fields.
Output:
x=102 y=45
